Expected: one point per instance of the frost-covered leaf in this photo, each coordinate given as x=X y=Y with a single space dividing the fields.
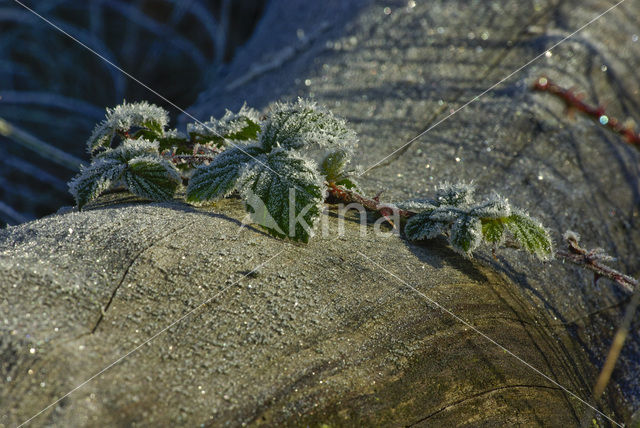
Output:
x=421 y=226
x=150 y=118
x=417 y=205
x=494 y=208
x=130 y=149
x=218 y=179
x=304 y=124
x=95 y=179
x=531 y=234
x=446 y=214
x=291 y=191
x=173 y=138
x=458 y=195
x=348 y=183
x=493 y=230
x=151 y=177
x=333 y=168
x=333 y=165
x=466 y=235
x=241 y=126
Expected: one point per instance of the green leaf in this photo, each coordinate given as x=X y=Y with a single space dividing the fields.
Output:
x=333 y=165
x=457 y=195
x=94 y=179
x=530 y=233
x=285 y=194
x=493 y=230
x=304 y=124
x=494 y=208
x=218 y=179
x=152 y=177
x=241 y=126
x=348 y=183
x=421 y=226
x=130 y=149
x=121 y=119
x=466 y=235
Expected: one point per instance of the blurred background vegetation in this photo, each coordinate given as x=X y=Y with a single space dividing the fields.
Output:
x=53 y=91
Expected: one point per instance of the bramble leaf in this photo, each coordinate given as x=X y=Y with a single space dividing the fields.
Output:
x=152 y=177
x=94 y=179
x=417 y=205
x=494 y=208
x=530 y=233
x=290 y=190
x=150 y=118
x=457 y=195
x=137 y=163
x=421 y=226
x=304 y=124
x=241 y=126
x=333 y=165
x=218 y=179
x=466 y=235
x=333 y=168
x=493 y=230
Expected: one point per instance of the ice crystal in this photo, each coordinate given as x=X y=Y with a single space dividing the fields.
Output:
x=150 y=121
x=454 y=213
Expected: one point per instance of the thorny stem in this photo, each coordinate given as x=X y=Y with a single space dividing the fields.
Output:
x=591 y=259
x=574 y=101
x=348 y=196
x=588 y=259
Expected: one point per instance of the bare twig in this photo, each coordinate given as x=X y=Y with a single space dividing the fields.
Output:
x=574 y=101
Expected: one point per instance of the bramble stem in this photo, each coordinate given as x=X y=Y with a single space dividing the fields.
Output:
x=574 y=101
x=348 y=196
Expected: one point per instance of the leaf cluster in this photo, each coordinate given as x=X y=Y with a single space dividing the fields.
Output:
x=454 y=213
x=283 y=189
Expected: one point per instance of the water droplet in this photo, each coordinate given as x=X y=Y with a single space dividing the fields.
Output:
x=440 y=30
x=548 y=54
x=634 y=38
x=387 y=11
x=457 y=159
x=603 y=119
x=540 y=177
x=32 y=350
x=307 y=82
x=603 y=68
x=484 y=35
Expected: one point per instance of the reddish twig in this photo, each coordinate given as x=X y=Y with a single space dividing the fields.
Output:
x=348 y=196
x=574 y=101
x=593 y=260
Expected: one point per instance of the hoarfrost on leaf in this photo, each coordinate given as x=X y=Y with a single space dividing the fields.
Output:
x=148 y=118
x=94 y=179
x=467 y=223
x=291 y=189
x=136 y=163
x=218 y=179
x=241 y=126
x=304 y=124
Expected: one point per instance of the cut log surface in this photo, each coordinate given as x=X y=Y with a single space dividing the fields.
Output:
x=319 y=333
x=343 y=331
